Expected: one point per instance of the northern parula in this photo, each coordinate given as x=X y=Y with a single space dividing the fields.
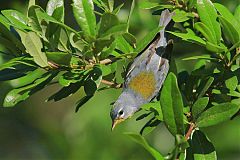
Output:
x=145 y=76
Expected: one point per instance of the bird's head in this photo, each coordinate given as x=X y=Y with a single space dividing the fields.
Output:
x=123 y=109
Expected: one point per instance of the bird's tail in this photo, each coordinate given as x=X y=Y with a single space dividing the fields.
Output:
x=165 y=19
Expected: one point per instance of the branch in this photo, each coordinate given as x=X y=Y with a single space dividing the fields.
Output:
x=190 y=130
x=111 y=84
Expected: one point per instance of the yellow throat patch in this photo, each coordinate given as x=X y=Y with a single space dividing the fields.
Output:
x=144 y=84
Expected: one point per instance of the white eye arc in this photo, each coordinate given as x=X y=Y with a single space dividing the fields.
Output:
x=121 y=113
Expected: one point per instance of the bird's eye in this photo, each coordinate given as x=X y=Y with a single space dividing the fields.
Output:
x=120 y=112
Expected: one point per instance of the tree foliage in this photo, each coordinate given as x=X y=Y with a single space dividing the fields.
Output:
x=44 y=50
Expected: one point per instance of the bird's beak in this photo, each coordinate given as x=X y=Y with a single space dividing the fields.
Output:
x=115 y=122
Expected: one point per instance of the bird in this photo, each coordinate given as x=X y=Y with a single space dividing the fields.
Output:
x=145 y=75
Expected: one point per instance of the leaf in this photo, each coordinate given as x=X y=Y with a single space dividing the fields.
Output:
x=9 y=36
x=90 y=87
x=81 y=102
x=62 y=58
x=34 y=18
x=142 y=44
x=116 y=30
x=66 y=91
x=140 y=140
x=228 y=15
x=204 y=86
x=199 y=106
x=72 y=77
x=31 y=3
x=55 y=8
x=29 y=78
x=217 y=114
x=117 y=9
x=130 y=39
x=206 y=32
x=172 y=105
x=189 y=37
x=34 y=46
x=215 y=48
x=131 y=12
x=237 y=13
x=123 y=45
x=208 y=16
x=181 y=15
x=150 y=126
x=84 y=14
x=20 y=94
x=145 y=4
x=108 y=20
x=202 y=57
x=15 y=68
x=231 y=83
x=201 y=148
x=17 y=19
x=229 y=30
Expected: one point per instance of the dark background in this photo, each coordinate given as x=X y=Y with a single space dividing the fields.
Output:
x=38 y=130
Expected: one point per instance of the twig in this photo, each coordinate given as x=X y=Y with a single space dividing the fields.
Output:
x=190 y=130
x=111 y=84
x=105 y=62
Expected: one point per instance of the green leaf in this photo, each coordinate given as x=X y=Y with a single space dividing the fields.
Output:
x=150 y=126
x=172 y=105
x=34 y=46
x=204 y=86
x=115 y=31
x=199 y=106
x=217 y=114
x=31 y=3
x=215 y=48
x=17 y=19
x=181 y=15
x=228 y=15
x=82 y=101
x=140 y=140
x=55 y=8
x=208 y=16
x=130 y=38
x=28 y=79
x=145 y=4
x=72 y=77
x=15 y=68
x=108 y=20
x=189 y=37
x=15 y=42
x=84 y=14
x=142 y=44
x=117 y=9
x=200 y=147
x=66 y=91
x=237 y=13
x=34 y=18
x=62 y=58
x=192 y=3
x=90 y=87
x=229 y=30
x=123 y=45
x=20 y=94
x=131 y=12
x=206 y=32
x=231 y=83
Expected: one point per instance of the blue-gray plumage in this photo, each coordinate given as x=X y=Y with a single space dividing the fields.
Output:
x=145 y=76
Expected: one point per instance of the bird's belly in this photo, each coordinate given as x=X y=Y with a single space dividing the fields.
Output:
x=143 y=84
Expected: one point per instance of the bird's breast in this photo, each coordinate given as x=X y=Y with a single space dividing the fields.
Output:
x=144 y=84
